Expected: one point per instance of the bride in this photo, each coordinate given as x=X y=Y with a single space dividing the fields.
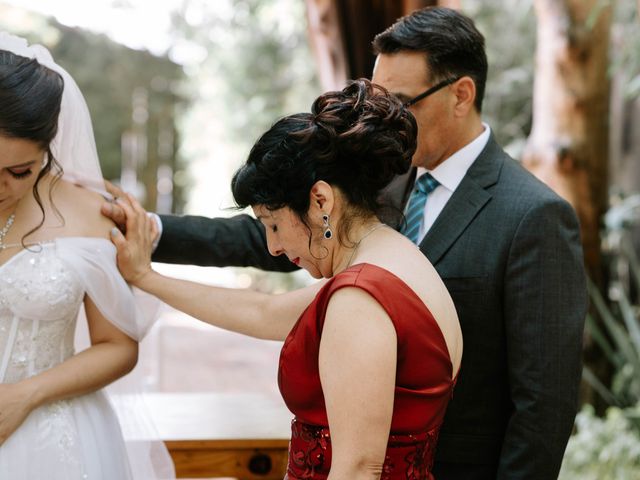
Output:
x=55 y=259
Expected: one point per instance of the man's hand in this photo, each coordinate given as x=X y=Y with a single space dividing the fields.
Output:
x=112 y=210
x=134 y=248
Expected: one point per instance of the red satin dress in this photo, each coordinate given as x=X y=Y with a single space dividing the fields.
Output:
x=424 y=381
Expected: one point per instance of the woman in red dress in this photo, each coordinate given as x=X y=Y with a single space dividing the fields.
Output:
x=370 y=356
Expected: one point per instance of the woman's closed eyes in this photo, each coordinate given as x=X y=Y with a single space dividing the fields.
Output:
x=20 y=174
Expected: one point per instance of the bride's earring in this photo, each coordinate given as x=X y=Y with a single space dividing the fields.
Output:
x=328 y=233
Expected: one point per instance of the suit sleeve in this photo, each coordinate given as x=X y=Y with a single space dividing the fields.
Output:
x=239 y=241
x=545 y=302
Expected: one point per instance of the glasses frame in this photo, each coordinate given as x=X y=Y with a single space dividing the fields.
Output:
x=429 y=91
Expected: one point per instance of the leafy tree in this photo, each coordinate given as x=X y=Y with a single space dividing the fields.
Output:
x=258 y=67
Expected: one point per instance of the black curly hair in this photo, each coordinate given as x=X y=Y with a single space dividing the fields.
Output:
x=357 y=139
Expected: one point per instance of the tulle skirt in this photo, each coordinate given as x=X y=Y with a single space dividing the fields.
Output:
x=75 y=439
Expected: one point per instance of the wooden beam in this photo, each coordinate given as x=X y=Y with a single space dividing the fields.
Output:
x=326 y=40
x=409 y=6
x=360 y=22
x=341 y=32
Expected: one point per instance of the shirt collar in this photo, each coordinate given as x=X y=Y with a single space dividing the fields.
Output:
x=451 y=172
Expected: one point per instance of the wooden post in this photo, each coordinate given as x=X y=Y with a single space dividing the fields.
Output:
x=327 y=43
x=341 y=32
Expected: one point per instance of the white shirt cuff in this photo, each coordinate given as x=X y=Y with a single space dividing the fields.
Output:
x=158 y=221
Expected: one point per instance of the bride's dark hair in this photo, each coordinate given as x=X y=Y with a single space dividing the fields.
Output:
x=30 y=95
x=357 y=139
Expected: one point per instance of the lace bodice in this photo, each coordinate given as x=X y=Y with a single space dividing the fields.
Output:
x=41 y=291
x=39 y=301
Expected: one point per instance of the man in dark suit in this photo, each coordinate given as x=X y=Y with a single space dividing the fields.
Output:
x=506 y=246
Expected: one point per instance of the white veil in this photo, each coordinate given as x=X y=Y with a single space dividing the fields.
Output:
x=75 y=150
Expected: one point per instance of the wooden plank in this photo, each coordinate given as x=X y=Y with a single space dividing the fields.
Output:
x=245 y=464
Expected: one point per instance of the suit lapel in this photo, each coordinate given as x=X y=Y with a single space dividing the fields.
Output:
x=465 y=203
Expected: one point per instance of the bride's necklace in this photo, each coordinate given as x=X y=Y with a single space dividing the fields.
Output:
x=355 y=248
x=5 y=230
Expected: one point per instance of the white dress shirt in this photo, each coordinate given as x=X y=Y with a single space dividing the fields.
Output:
x=449 y=174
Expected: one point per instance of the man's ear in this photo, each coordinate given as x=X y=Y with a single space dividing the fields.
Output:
x=465 y=92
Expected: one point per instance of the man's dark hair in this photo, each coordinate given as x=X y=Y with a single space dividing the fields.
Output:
x=453 y=45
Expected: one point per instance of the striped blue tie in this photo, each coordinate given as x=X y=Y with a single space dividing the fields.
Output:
x=414 y=212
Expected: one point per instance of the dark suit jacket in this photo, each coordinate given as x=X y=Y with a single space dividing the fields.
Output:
x=508 y=250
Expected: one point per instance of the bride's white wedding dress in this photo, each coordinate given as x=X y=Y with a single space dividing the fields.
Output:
x=41 y=293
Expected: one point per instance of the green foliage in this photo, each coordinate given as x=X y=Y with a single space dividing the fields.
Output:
x=510 y=34
x=618 y=334
x=108 y=74
x=609 y=448
x=604 y=448
x=625 y=48
x=615 y=322
x=258 y=59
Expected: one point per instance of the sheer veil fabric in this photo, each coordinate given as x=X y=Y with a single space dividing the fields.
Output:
x=75 y=149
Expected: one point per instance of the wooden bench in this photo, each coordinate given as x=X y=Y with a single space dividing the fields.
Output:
x=242 y=436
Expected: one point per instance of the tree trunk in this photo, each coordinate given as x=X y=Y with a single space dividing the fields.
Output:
x=409 y=6
x=455 y=4
x=568 y=146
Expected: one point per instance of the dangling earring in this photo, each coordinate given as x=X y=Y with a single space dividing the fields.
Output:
x=328 y=233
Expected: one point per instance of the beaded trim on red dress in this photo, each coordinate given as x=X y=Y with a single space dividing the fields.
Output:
x=409 y=457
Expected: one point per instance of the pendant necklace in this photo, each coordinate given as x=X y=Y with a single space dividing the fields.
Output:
x=355 y=248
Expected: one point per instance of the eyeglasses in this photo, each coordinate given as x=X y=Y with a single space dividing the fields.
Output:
x=429 y=91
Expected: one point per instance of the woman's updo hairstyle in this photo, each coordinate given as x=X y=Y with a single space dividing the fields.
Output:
x=30 y=95
x=357 y=139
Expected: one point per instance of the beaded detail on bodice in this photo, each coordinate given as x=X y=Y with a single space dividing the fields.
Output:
x=39 y=301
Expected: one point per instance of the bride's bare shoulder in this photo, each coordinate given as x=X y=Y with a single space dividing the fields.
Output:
x=80 y=208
